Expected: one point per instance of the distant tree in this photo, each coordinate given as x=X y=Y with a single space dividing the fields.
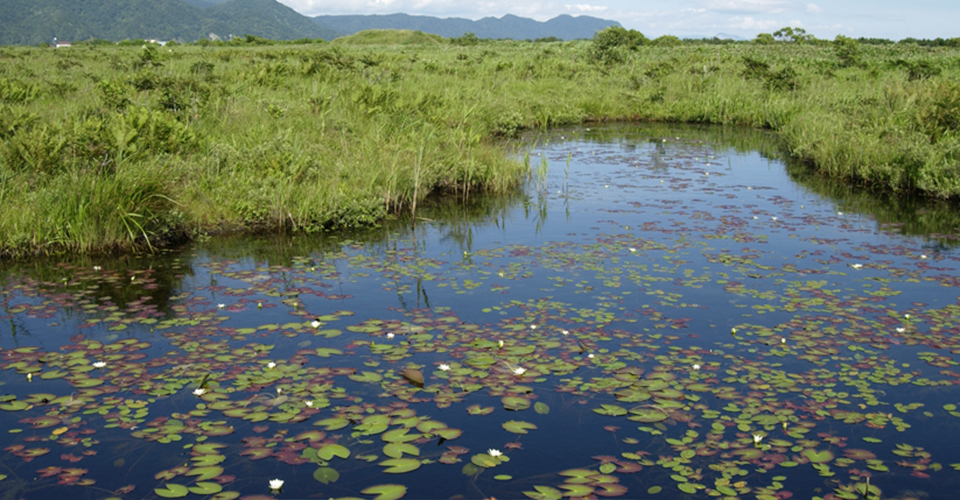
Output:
x=847 y=50
x=611 y=44
x=764 y=39
x=667 y=41
x=796 y=35
x=466 y=40
x=874 y=41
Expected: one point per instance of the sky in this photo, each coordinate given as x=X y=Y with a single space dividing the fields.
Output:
x=891 y=19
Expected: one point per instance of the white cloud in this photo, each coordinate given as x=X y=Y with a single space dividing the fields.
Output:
x=580 y=7
x=748 y=6
x=750 y=24
x=813 y=8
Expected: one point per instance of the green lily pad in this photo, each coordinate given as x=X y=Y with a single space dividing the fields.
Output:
x=172 y=490
x=515 y=403
x=817 y=457
x=400 y=465
x=328 y=451
x=326 y=475
x=396 y=450
x=205 y=473
x=385 y=491
x=206 y=488
x=544 y=493
x=518 y=427
x=648 y=415
x=610 y=410
x=541 y=408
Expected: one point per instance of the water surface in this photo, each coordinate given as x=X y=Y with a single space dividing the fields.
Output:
x=664 y=312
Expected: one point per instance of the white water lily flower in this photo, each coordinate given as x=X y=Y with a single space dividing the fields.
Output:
x=783 y=340
x=533 y=327
x=315 y=324
x=221 y=306
x=29 y=377
x=271 y=365
x=199 y=391
x=500 y=343
x=755 y=217
x=696 y=366
x=96 y=268
x=906 y=316
x=444 y=367
x=774 y=218
x=901 y=330
x=389 y=335
x=519 y=370
x=632 y=249
x=99 y=364
x=494 y=453
x=565 y=332
x=733 y=330
x=590 y=356
x=308 y=403
x=856 y=266
x=757 y=438
x=276 y=484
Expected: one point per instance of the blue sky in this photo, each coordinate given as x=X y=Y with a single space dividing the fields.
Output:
x=893 y=19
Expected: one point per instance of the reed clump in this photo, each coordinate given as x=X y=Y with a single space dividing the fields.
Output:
x=115 y=147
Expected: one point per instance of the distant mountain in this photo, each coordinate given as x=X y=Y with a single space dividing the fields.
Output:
x=509 y=26
x=727 y=36
x=28 y=22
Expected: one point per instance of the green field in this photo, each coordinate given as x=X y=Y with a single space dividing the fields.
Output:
x=110 y=147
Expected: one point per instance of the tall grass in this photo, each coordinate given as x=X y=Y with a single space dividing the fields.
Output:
x=118 y=147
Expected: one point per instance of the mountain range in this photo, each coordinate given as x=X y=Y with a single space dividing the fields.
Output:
x=509 y=26
x=29 y=22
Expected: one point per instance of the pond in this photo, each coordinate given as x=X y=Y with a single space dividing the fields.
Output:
x=664 y=313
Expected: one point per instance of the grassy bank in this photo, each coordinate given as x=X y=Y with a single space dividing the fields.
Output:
x=105 y=147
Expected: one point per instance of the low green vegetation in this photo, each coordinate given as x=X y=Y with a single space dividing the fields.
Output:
x=110 y=147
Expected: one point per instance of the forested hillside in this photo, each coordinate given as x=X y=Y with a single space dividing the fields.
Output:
x=29 y=22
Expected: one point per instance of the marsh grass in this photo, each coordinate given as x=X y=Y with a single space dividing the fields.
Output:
x=118 y=147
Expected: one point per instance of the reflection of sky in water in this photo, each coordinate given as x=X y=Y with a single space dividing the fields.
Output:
x=708 y=236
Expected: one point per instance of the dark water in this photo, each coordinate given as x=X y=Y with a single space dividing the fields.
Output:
x=682 y=314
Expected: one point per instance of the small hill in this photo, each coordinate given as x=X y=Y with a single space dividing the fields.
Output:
x=390 y=37
x=509 y=26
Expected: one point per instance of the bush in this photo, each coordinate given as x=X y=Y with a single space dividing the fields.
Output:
x=610 y=44
x=847 y=50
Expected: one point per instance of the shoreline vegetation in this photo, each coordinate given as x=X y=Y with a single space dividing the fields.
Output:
x=121 y=147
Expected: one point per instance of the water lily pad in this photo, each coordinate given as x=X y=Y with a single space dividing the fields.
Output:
x=396 y=450
x=172 y=490
x=818 y=457
x=205 y=488
x=478 y=410
x=610 y=410
x=400 y=465
x=385 y=491
x=328 y=451
x=648 y=415
x=544 y=493
x=326 y=475
x=206 y=473
x=518 y=427
x=515 y=403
